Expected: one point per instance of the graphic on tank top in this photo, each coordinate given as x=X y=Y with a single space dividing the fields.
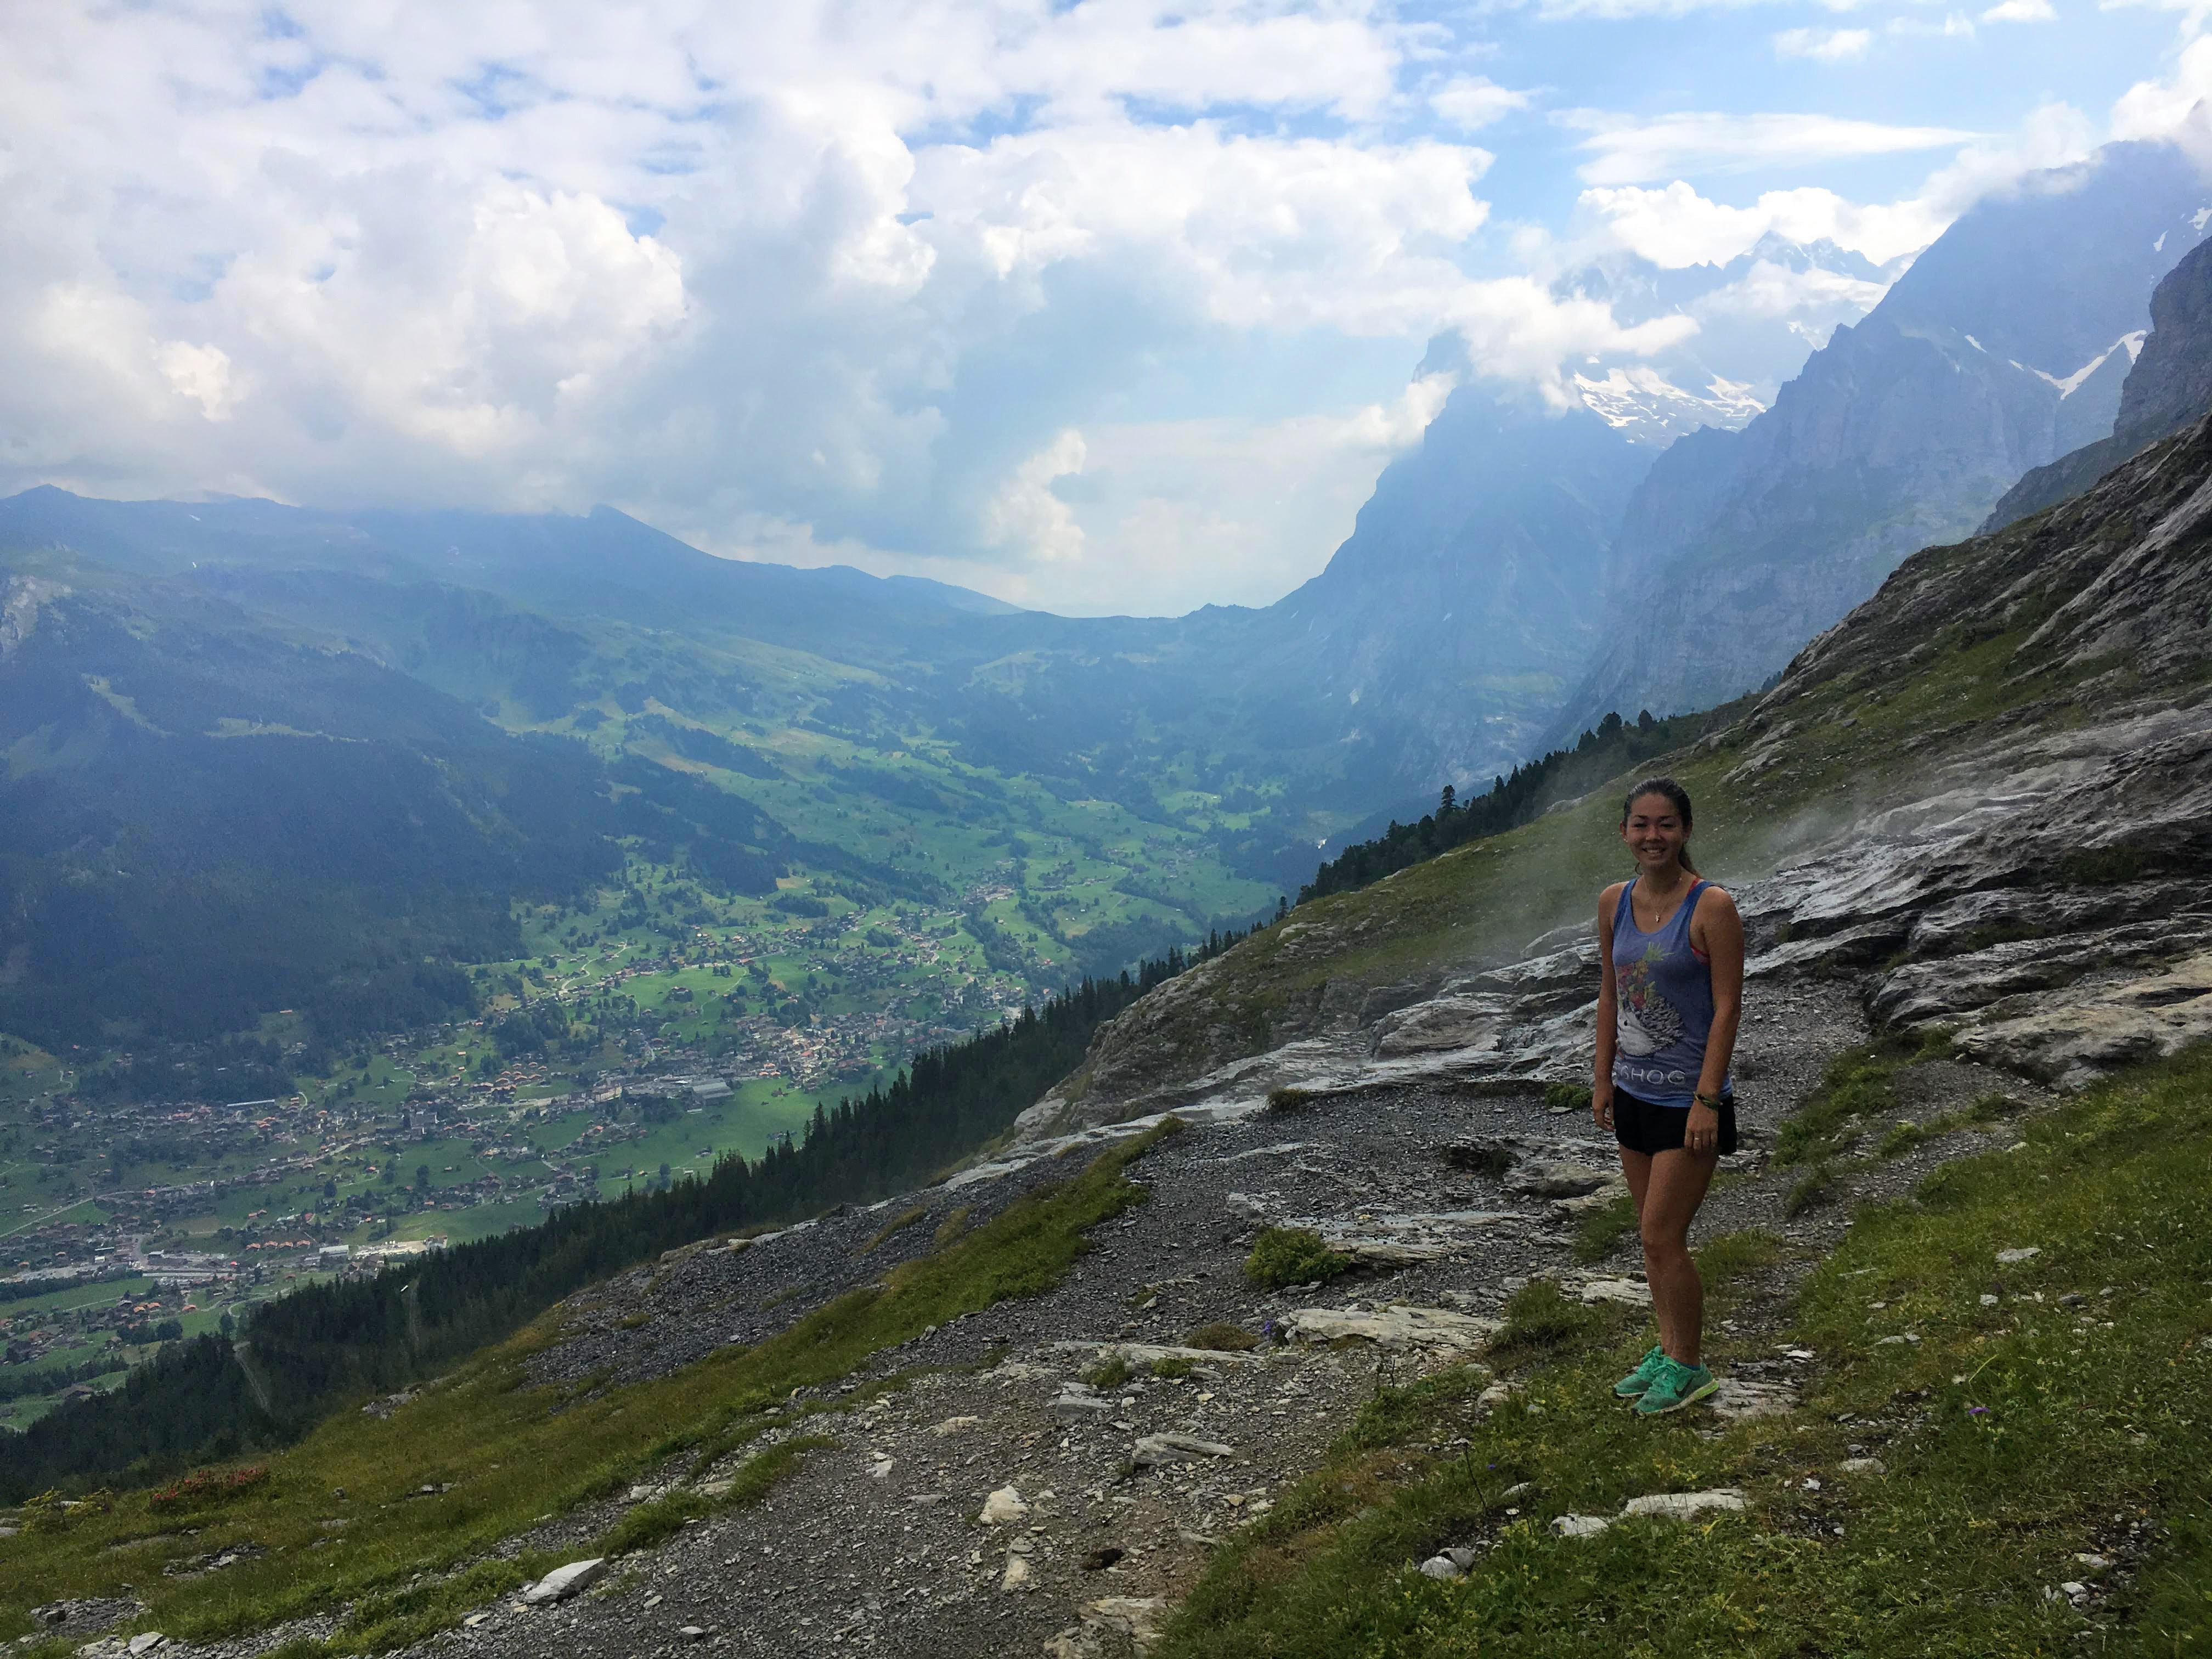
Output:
x=1663 y=1005
x=1647 y=1021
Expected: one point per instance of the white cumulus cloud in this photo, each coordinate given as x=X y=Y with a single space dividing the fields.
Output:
x=1472 y=101
x=1824 y=45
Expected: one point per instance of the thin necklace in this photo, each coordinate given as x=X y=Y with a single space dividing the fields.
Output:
x=1674 y=901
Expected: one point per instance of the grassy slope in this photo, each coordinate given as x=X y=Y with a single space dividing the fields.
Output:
x=514 y=1453
x=2017 y=1435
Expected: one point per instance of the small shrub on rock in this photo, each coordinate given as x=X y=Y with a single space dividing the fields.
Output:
x=1539 y=1320
x=1110 y=1373
x=1292 y=1255
x=1567 y=1097
x=1222 y=1338
x=203 y=1486
x=1290 y=1099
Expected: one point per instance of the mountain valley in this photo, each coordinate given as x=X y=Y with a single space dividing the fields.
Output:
x=781 y=1271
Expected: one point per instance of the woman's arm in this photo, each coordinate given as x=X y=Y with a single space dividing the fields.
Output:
x=1721 y=928
x=1608 y=1009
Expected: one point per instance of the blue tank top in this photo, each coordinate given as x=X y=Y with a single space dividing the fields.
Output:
x=1663 y=989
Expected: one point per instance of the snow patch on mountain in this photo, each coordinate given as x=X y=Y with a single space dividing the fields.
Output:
x=2130 y=343
x=1646 y=407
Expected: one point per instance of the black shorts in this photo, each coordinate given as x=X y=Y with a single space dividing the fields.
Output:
x=1644 y=1128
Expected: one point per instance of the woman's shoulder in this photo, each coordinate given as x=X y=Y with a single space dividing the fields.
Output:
x=1714 y=900
x=1611 y=895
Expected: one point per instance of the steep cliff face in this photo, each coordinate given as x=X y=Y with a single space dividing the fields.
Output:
x=2169 y=385
x=2004 y=345
x=1458 y=613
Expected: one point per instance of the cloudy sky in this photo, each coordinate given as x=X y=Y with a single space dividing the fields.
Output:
x=1107 y=306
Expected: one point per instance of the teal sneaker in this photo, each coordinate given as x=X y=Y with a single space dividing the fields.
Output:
x=1646 y=1373
x=1676 y=1386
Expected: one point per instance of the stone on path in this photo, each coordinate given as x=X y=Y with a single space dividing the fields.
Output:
x=1681 y=1505
x=1627 y=1292
x=1003 y=1508
x=1155 y=1449
x=562 y=1582
x=1557 y=1178
x=1663 y=1505
x=2028 y=1253
x=1018 y=1574
x=1863 y=1466
x=1442 y=1567
x=1735 y=1400
x=1078 y=1402
x=1140 y=1618
x=1395 y=1327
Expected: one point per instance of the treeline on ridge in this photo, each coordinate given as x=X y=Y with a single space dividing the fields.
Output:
x=306 y=1352
x=1612 y=747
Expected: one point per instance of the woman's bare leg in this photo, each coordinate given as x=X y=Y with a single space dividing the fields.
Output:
x=1673 y=1187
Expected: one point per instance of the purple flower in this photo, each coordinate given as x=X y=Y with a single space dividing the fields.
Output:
x=1978 y=1411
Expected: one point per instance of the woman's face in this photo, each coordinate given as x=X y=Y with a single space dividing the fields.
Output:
x=1653 y=831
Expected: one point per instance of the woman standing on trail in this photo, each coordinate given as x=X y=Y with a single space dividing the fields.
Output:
x=1671 y=945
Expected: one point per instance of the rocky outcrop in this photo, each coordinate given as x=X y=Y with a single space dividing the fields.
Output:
x=2020 y=726
x=2169 y=385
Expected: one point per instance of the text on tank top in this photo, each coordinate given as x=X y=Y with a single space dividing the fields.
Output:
x=1663 y=998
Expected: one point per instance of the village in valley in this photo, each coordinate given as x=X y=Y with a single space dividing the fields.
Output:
x=631 y=1050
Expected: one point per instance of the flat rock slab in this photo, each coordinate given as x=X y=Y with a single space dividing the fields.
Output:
x=1392 y=1327
x=1155 y=1451
x=1627 y=1292
x=1146 y=1353
x=1681 y=1505
x=1737 y=1401
x=562 y=1582
x=1663 y=1506
x=1558 y=1178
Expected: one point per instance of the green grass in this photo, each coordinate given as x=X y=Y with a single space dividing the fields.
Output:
x=1540 y=1321
x=1600 y=1230
x=898 y=1224
x=2015 y=1435
x=1292 y=1255
x=1856 y=1083
x=1810 y=1188
x=514 y=1453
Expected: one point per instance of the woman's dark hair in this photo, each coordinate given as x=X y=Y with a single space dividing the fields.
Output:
x=1677 y=797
